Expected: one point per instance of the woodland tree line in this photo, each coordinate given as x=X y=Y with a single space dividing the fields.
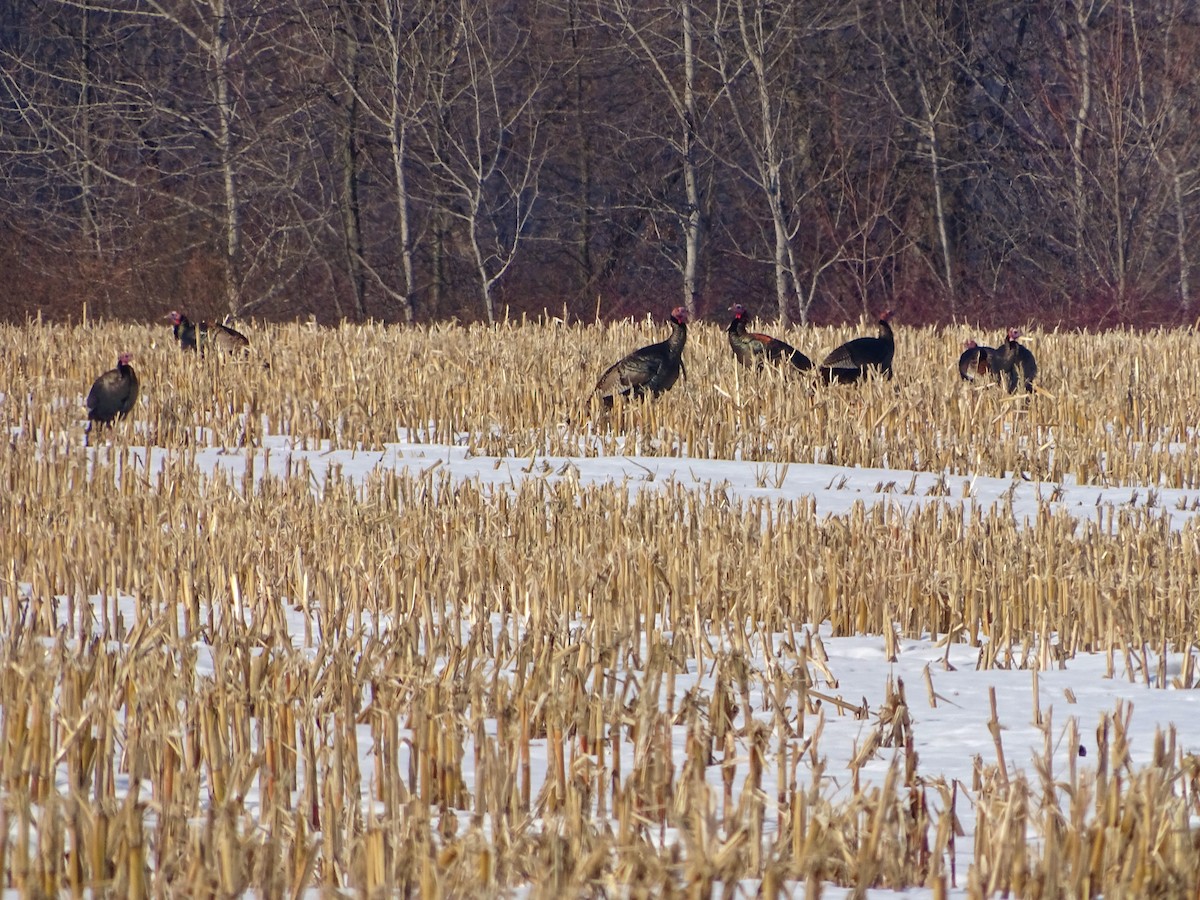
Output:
x=411 y=161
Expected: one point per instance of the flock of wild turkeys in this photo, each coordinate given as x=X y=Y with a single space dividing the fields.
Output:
x=654 y=369
x=113 y=394
x=649 y=371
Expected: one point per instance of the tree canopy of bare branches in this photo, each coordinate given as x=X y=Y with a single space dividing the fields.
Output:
x=465 y=158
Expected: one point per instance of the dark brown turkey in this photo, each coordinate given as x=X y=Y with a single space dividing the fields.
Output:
x=113 y=394
x=207 y=334
x=650 y=370
x=753 y=350
x=975 y=360
x=1013 y=363
x=184 y=330
x=855 y=358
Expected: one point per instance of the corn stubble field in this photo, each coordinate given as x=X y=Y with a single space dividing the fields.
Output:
x=211 y=686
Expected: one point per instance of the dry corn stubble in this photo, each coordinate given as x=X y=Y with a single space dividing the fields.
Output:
x=163 y=728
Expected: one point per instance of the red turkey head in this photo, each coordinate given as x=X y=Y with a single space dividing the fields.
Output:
x=887 y=315
x=124 y=359
x=738 y=310
x=1014 y=333
x=680 y=315
x=969 y=344
x=175 y=317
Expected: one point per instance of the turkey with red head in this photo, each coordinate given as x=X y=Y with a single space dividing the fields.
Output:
x=649 y=370
x=113 y=394
x=1013 y=363
x=184 y=330
x=854 y=359
x=975 y=360
x=753 y=350
x=207 y=334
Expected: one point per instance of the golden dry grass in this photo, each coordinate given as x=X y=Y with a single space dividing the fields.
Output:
x=170 y=735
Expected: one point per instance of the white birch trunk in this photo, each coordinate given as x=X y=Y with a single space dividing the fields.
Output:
x=693 y=223
x=225 y=144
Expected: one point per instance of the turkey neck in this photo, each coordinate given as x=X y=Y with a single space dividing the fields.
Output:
x=737 y=334
x=886 y=333
x=677 y=339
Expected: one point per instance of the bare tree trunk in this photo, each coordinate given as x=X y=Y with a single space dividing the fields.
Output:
x=583 y=205
x=403 y=222
x=485 y=154
x=232 y=224
x=92 y=240
x=89 y=227
x=1181 y=243
x=690 y=177
x=1078 y=166
x=939 y=200
x=447 y=38
x=758 y=47
x=786 y=280
x=683 y=103
x=349 y=164
x=481 y=268
x=931 y=113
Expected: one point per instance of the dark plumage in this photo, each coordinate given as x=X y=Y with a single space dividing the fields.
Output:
x=650 y=370
x=1013 y=363
x=113 y=394
x=753 y=350
x=184 y=329
x=207 y=334
x=853 y=359
x=975 y=360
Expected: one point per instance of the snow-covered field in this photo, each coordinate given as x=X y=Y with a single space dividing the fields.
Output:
x=1047 y=709
x=833 y=489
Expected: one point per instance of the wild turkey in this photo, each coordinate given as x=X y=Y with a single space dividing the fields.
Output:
x=1013 y=363
x=200 y=337
x=853 y=359
x=113 y=394
x=974 y=360
x=184 y=330
x=753 y=350
x=650 y=370
x=223 y=338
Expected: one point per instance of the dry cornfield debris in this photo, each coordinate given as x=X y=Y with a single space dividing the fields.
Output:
x=239 y=653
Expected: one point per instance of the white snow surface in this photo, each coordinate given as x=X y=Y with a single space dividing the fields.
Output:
x=833 y=489
x=948 y=736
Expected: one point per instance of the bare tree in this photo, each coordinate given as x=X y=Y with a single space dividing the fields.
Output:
x=211 y=29
x=422 y=159
x=481 y=144
x=663 y=41
x=203 y=115
x=382 y=54
x=1119 y=100
x=402 y=108
x=919 y=44
x=1185 y=188
x=58 y=104
x=349 y=40
x=759 y=49
x=1164 y=119
x=1079 y=49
